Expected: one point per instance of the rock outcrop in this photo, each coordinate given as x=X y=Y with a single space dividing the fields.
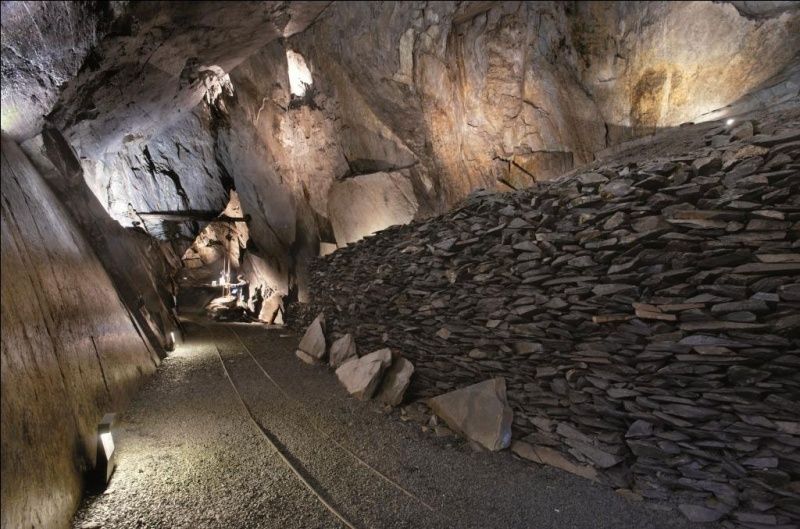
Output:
x=643 y=311
x=450 y=98
x=480 y=412
x=139 y=112
x=71 y=350
x=476 y=91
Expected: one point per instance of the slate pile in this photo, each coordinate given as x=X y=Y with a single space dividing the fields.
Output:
x=645 y=317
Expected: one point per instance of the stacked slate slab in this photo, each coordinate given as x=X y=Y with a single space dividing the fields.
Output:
x=645 y=317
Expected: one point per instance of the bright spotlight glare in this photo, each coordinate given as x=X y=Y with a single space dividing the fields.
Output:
x=108 y=443
x=730 y=122
x=299 y=74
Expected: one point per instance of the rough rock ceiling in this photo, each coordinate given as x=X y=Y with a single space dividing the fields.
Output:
x=104 y=73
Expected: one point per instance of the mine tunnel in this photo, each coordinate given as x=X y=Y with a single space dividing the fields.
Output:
x=367 y=265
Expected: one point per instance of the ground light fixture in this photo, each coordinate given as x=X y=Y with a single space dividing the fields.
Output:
x=106 y=452
x=730 y=122
x=171 y=341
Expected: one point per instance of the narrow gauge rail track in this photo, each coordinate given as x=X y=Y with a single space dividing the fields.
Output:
x=310 y=418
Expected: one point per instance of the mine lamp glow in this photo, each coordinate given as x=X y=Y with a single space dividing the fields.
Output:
x=106 y=460
x=730 y=122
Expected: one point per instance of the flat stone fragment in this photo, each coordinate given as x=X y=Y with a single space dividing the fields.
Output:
x=479 y=412
x=654 y=315
x=361 y=376
x=547 y=456
x=599 y=458
x=611 y=318
x=592 y=179
x=640 y=428
x=714 y=325
x=396 y=381
x=698 y=513
x=707 y=165
x=767 y=140
x=779 y=258
x=342 y=350
x=610 y=289
x=767 y=268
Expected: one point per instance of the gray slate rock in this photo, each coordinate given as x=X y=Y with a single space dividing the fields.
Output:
x=479 y=412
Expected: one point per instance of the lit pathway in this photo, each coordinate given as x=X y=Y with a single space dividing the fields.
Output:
x=190 y=456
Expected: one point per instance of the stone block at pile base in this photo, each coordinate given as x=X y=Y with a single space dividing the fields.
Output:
x=479 y=412
x=361 y=376
x=396 y=381
x=312 y=347
x=307 y=358
x=547 y=456
x=342 y=350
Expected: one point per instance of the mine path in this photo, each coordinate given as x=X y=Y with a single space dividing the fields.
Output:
x=190 y=456
x=350 y=488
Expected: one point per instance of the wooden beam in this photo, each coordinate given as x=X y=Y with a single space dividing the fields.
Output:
x=189 y=216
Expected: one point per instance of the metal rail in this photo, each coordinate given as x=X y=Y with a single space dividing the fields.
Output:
x=309 y=415
x=268 y=436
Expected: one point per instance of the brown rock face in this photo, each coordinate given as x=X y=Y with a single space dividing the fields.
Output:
x=366 y=204
x=135 y=110
x=70 y=350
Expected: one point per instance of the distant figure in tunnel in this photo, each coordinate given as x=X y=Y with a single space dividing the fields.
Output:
x=244 y=288
x=258 y=301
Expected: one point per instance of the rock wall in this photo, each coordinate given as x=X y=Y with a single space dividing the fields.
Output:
x=44 y=45
x=644 y=313
x=366 y=204
x=476 y=90
x=70 y=350
x=456 y=96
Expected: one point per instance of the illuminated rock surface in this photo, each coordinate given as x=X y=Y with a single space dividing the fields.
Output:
x=71 y=351
x=332 y=121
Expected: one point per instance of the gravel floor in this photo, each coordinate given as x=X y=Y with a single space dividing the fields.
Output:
x=189 y=456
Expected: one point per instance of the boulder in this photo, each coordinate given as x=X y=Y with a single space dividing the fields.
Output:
x=312 y=347
x=396 y=381
x=326 y=248
x=479 y=412
x=361 y=376
x=342 y=350
x=364 y=204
